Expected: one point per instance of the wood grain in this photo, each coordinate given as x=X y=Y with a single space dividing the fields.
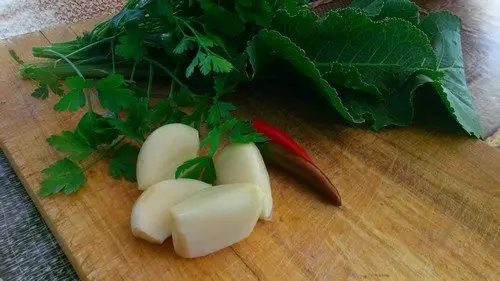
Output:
x=420 y=203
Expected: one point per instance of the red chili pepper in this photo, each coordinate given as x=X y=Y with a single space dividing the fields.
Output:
x=278 y=156
x=279 y=137
x=282 y=151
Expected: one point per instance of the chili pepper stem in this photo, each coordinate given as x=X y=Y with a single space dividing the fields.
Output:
x=279 y=137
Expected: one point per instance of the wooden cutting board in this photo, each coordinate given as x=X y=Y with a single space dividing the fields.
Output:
x=419 y=203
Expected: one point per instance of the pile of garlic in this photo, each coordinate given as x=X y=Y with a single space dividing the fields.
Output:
x=200 y=218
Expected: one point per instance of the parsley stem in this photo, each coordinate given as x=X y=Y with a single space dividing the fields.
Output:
x=89 y=100
x=172 y=85
x=84 y=48
x=133 y=71
x=150 y=82
x=65 y=58
x=197 y=36
x=104 y=154
x=94 y=161
x=166 y=69
x=195 y=33
x=113 y=55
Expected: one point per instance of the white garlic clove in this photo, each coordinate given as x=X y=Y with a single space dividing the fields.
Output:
x=150 y=219
x=215 y=218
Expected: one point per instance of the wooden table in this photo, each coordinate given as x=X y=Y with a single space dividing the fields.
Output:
x=420 y=203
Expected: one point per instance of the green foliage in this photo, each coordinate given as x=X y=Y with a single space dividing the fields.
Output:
x=208 y=62
x=72 y=144
x=46 y=80
x=137 y=122
x=123 y=162
x=268 y=47
x=40 y=93
x=200 y=168
x=75 y=98
x=131 y=46
x=95 y=130
x=63 y=175
x=219 y=111
x=243 y=132
x=381 y=9
x=112 y=93
x=443 y=30
x=15 y=57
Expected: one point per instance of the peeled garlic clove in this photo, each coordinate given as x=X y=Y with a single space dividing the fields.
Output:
x=215 y=218
x=240 y=163
x=150 y=218
x=163 y=151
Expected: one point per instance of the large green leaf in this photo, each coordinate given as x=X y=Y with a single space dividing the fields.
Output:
x=385 y=53
x=376 y=66
x=393 y=110
x=381 y=9
x=268 y=47
x=443 y=30
x=371 y=7
x=348 y=76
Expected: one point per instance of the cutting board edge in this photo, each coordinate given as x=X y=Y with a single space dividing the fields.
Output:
x=36 y=200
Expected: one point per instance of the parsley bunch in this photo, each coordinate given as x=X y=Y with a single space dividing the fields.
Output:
x=367 y=61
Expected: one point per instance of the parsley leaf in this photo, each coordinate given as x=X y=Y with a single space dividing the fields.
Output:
x=213 y=137
x=219 y=111
x=221 y=87
x=62 y=175
x=112 y=93
x=95 y=130
x=183 y=97
x=161 y=112
x=200 y=168
x=77 y=82
x=46 y=79
x=243 y=132
x=215 y=63
x=208 y=62
x=226 y=83
x=196 y=117
x=186 y=44
x=200 y=56
x=40 y=93
x=75 y=99
x=137 y=122
x=71 y=144
x=131 y=44
x=15 y=57
x=123 y=162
